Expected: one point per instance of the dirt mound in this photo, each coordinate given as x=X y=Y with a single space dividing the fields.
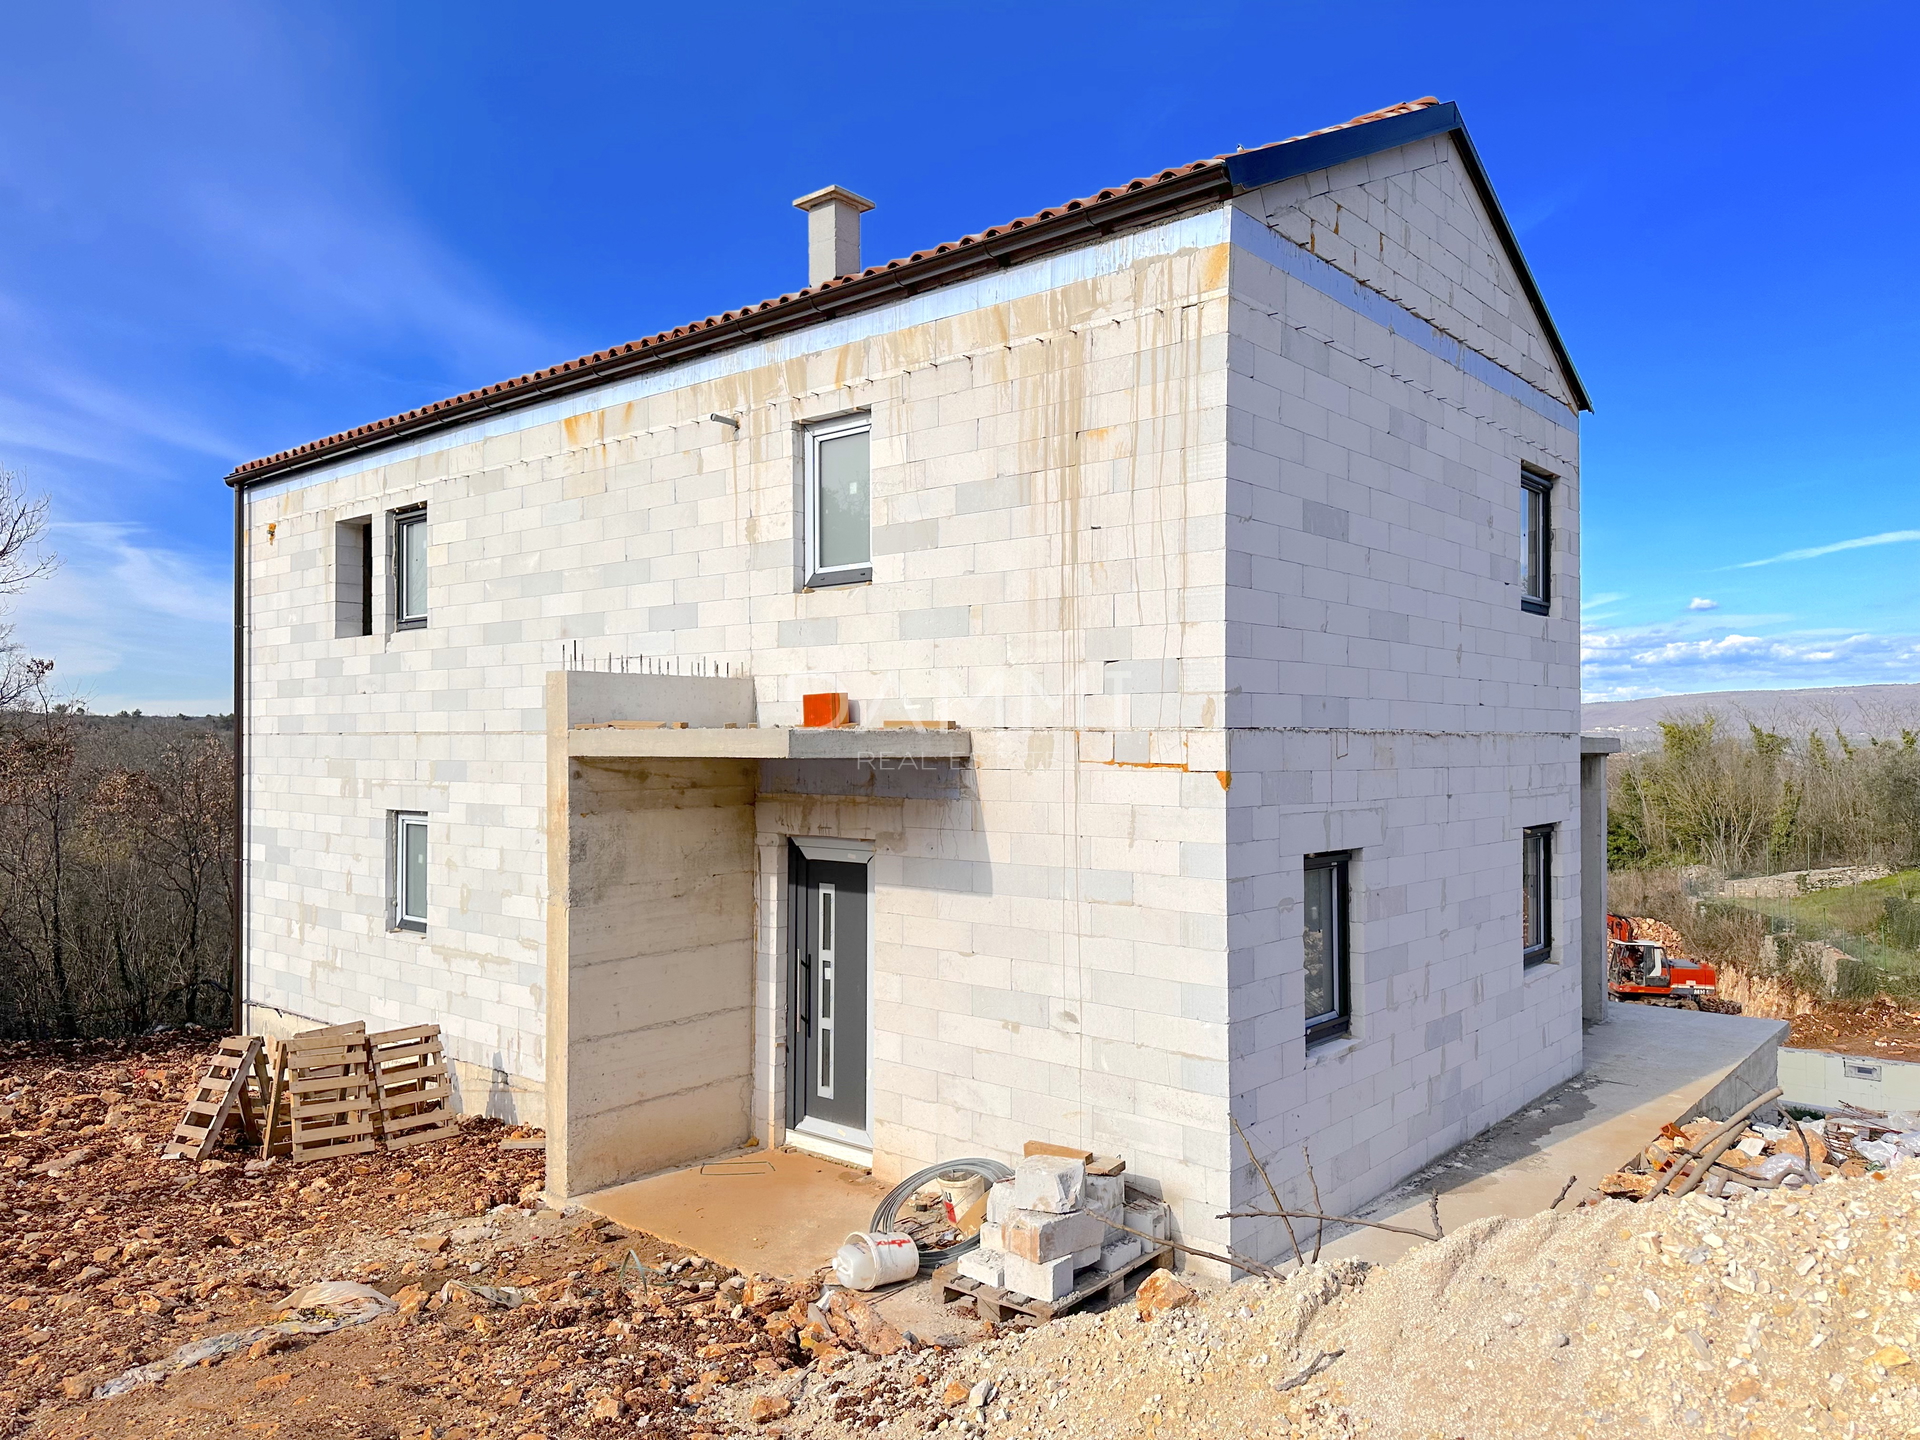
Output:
x=1775 y=1315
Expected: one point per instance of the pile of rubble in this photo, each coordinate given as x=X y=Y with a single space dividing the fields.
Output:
x=1745 y=1157
x=1788 y=1314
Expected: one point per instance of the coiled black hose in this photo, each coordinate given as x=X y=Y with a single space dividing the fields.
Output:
x=932 y=1260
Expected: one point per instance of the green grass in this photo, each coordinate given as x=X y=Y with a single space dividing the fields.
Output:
x=1876 y=923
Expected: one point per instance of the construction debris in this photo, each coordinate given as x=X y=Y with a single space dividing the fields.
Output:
x=1747 y=1154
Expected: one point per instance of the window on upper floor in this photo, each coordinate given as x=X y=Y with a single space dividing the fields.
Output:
x=1329 y=1002
x=353 y=577
x=1536 y=541
x=410 y=568
x=839 y=502
x=409 y=844
x=1536 y=894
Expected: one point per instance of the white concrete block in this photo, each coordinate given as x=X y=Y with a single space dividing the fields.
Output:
x=1106 y=1194
x=1049 y=1183
x=1149 y=1217
x=1118 y=1253
x=986 y=1266
x=1000 y=1205
x=1050 y=1281
x=1039 y=1237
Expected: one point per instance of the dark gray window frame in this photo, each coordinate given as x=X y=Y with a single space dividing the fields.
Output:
x=1536 y=888
x=1338 y=1021
x=401 y=522
x=1536 y=540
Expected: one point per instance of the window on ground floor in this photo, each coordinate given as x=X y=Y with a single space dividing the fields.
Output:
x=1329 y=1004
x=1536 y=884
x=409 y=871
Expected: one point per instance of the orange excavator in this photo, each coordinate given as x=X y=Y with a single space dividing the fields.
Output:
x=1642 y=970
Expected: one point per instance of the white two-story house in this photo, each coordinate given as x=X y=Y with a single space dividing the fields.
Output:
x=1200 y=562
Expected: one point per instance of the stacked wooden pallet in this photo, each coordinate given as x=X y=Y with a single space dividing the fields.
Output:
x=221 y=1098
x=329 y=1088
x=412 y=1092
x=322 y=1094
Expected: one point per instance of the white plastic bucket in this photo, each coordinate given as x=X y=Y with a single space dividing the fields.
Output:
x=960 y=1190
x=866 y=1262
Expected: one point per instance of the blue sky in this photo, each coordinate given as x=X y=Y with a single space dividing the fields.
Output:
x=225 y=229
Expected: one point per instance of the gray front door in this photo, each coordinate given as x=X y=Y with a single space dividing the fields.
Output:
x=830 y=997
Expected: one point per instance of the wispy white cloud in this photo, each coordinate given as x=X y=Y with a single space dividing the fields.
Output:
x=1628 y=664
x=1698 y=603
x=128 y=622
x=1814 y=552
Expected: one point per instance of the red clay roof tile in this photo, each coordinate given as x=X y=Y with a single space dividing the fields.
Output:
x=472 y=399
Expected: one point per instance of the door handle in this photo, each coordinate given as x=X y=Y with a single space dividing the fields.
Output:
x=806 y=989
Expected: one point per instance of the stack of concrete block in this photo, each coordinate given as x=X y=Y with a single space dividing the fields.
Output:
x=1050 y=1220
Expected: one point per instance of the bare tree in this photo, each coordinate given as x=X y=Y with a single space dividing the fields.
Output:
x=23 y=523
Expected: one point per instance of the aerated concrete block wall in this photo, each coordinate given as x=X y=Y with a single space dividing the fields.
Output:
x=1388 y=695
x=1048 y=490
x=1213 y=560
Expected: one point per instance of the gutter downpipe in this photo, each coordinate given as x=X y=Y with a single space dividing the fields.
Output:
x=237 y=974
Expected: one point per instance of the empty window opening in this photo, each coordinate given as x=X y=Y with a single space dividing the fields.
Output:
x=353 y=577
x=1329 y=1004
x=1536 y=885
x=1536 y=542
x=410 y=569
x=839 y=502
x=409 y=871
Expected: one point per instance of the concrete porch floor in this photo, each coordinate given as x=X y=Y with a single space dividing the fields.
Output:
x=778 y=1212
x=1645 y=1066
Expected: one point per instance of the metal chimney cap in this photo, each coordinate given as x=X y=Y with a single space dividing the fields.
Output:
x=831 y=195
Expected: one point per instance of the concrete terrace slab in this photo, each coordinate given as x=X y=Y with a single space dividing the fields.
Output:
x=609 y=741
x=778 y=1212
x=1646 y=1066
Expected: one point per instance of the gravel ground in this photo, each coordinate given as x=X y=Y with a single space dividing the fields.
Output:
x=1780 y=1315
x=1787 y=1313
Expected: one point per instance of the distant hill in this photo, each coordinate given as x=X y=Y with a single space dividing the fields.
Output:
x=1882 y=710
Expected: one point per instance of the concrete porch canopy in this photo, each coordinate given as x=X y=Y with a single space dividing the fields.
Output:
x=655 y=911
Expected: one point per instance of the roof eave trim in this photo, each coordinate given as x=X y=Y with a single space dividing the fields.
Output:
x=1254 y=168
x=1062 y=232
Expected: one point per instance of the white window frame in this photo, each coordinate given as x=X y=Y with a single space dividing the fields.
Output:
x=815 y=434
x=404 y=520
x=402 y=920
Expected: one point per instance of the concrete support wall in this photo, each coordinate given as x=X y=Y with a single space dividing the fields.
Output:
x=650 y=943
x=1593 y=876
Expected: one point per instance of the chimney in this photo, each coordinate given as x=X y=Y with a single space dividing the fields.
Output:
x=833 y=232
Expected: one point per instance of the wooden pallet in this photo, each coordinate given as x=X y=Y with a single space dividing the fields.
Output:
x=996 y=1304
x=329 y=1088
x=412 y=1091
x=218 y=1099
